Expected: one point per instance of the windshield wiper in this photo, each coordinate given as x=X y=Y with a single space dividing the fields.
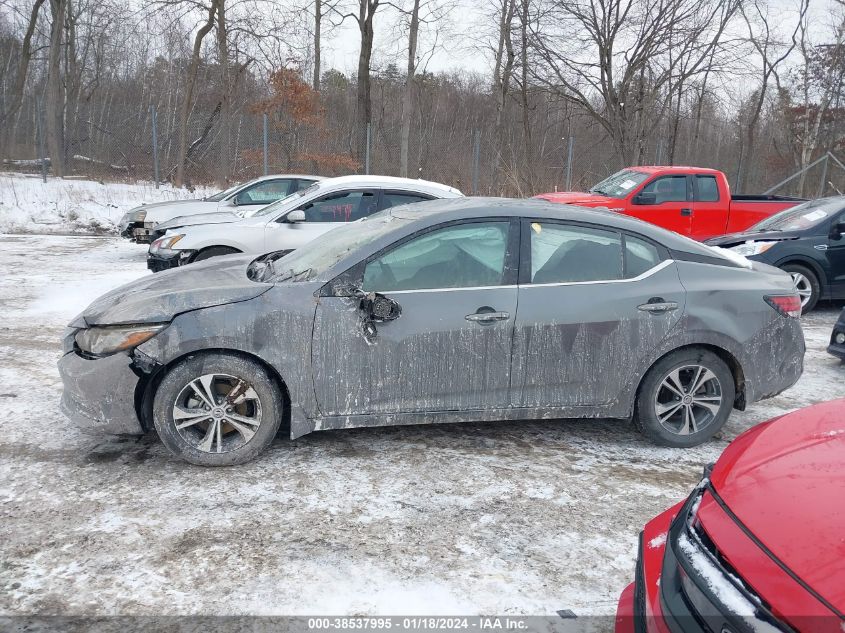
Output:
x=601 y=191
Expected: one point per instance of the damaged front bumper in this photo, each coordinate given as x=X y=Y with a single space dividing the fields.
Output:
x=165 y=260
x=99 y=393
x=140 y=232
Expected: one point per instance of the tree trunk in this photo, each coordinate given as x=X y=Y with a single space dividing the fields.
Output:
x=526 y=115
x=408 y=89
x=190 y=81
x=366 y=10
x=225 y=136
x=54 y=115
x=8 y=117
x=318 y=23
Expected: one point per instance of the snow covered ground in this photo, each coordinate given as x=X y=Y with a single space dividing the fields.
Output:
x=505 y=518
x=27 y=205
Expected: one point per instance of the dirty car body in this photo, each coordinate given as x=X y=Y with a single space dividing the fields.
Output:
x=448 y=311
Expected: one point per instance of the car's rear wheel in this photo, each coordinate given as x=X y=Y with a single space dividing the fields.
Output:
x=806 y=284
x=685 y=398
x=217 y=409
x=215 y=251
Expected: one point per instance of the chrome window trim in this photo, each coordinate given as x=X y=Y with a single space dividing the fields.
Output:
x=651 y=271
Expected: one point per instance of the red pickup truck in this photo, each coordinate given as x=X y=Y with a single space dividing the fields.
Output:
x=693 y=201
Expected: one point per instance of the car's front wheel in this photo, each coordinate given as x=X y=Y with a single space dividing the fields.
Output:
x=217 y=409
x=685 y=398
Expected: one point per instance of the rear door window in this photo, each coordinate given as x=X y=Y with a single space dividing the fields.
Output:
x=265 y=192
x=395 y=198
x=708 y=189
x=640 y=256
x=563 y=253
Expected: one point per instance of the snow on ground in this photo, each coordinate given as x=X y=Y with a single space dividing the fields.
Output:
x=27 y=205
x=504 y=518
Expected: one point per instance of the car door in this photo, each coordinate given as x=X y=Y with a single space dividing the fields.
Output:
x=322 y=214
x=593 y=303
x=709 y=212
x=835 y=255
x=449 y=350
x=665 y=201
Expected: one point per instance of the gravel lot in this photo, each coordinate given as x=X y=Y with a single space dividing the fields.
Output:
x=507 y=518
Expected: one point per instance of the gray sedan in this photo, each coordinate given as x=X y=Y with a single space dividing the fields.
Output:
x=445 y=311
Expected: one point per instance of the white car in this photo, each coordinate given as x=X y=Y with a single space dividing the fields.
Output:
x=291 y=222
x=138 y=224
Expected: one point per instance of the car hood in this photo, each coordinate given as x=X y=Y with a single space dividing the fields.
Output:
x=785 y=481
x=583 y=199
x=732 y=239
x=218 y=217
x=160 y=297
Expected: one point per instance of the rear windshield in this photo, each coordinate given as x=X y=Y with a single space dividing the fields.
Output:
x=280 y=205
x=619 y=184
x=217 y=197
x=804 y=216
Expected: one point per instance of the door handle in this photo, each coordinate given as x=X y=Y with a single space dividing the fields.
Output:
x=658 y=306
x=488 y=317
x=686 y=212
x=821 y=247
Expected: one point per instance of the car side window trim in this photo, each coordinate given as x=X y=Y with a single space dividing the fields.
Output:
x=355 y=273
x=338 y=192
x=651 y=271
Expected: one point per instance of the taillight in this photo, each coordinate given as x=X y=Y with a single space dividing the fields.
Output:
x=787 y=305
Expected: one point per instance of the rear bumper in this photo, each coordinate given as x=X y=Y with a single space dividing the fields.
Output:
x=99 y=394
x=777 y=361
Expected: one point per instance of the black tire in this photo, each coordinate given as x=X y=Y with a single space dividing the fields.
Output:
x=182 y=387
x=811 y=279
x=215 y=251
x=667 y=427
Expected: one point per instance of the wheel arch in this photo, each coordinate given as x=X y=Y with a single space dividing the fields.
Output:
x=147 y=386
x=727 y=357
x=807 y=262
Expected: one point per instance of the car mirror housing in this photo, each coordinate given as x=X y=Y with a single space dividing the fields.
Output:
x=836 y=231
x=379 y=308
x=295 y=216
x=645 y=198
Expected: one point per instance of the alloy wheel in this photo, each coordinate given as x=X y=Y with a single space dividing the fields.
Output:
x=688 y=399
x=217 y=413
x=803 y=287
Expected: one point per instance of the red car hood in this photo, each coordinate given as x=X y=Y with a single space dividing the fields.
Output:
x=785 y=480
x=582 y=199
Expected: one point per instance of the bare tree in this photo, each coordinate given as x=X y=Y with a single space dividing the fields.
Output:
x=772 y=53
x=55 y=101
x=7 y=117
x=190 y=82
x=407 y=92
x=620 y=60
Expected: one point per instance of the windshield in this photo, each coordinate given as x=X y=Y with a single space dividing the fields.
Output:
x=217 y=197
x=322 y=254
x=281 y=205
x=804 y=216
x=619 y=184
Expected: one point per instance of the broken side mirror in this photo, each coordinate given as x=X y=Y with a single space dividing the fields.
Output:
x=295 y=216
x=836 y=231
x=380 y=308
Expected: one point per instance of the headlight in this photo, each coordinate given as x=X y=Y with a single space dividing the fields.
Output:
x=165 y=243
x=102 y=341
x=752 y=248
x=135 y=215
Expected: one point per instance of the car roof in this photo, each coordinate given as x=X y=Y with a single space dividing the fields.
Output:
x=651 y=169
x=383 y=182
x=273 y=176
x=448 y=209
